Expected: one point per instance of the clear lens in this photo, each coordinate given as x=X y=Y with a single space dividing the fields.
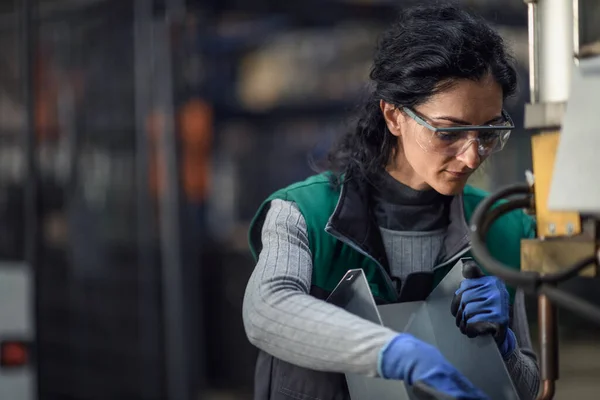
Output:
x=455 y=143
x=454 y=140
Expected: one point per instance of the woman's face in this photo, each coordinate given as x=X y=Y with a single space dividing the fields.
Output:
x=420 y=164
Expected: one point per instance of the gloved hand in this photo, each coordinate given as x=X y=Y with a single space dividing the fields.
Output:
x=416 y=362
x=481 y=306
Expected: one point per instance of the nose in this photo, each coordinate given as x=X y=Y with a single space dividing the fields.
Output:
x=470 y=156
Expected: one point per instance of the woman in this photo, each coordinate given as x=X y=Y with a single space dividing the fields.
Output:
x=394 y=202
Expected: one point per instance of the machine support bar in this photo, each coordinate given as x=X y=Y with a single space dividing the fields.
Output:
x=548 y=347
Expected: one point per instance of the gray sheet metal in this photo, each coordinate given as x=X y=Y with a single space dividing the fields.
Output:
x=397 y=316
x=431 y=321
x=362 y=388
x=478 y=359
x=353 y=294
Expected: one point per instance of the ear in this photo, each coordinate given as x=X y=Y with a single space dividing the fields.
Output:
x=393 y=117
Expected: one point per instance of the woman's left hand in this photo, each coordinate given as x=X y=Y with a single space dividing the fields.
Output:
x=481 y=306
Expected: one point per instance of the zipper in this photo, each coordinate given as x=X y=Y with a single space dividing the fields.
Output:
x=388 y=281
x=390 y=286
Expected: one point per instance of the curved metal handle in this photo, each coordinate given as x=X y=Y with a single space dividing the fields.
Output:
x=470 y=270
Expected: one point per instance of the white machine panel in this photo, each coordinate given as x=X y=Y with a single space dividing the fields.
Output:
x=575 y=180
x=16 y=321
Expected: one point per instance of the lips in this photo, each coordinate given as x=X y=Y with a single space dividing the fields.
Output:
x=458 y=174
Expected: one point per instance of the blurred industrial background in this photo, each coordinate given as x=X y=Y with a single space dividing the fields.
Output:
x=137 y=139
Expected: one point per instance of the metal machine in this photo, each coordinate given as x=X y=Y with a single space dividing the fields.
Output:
x=17 y=375
x=563 y=193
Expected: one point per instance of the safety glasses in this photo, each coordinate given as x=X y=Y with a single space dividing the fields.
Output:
x=455 y=140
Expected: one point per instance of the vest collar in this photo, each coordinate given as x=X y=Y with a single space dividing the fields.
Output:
x=353 y=221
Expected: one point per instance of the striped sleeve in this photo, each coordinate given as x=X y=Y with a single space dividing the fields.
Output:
x=522 y=363
x=282 y=319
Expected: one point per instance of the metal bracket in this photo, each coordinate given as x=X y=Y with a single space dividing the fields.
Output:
x=544 y=115
x=549 y=223
x=553 y=255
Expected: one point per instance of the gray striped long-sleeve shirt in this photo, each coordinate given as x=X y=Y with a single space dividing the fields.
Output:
x=282 y=319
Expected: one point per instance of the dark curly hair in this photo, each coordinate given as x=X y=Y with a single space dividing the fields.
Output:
x=424 y=52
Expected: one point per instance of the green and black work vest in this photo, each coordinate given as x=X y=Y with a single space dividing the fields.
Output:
x=343 y=235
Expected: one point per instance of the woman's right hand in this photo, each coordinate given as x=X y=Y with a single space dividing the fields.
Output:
x=409 y=359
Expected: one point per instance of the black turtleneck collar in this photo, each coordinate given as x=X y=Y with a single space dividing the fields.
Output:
x=401 y=208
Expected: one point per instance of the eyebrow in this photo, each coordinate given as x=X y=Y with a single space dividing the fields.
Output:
x=466 y=123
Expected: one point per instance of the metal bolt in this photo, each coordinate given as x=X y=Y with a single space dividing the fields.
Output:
x=570 y=228
x=552 y=228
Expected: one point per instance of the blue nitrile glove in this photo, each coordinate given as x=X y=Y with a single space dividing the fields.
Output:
x=409 y=359
x=481 y=306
